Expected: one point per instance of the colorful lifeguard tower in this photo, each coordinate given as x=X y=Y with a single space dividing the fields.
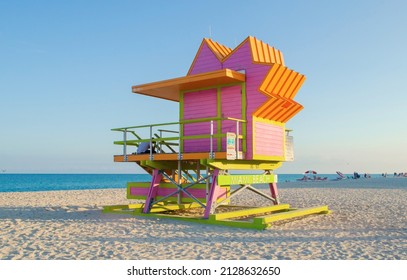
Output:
x=233 y=107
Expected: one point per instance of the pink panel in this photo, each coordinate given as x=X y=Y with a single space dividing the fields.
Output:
x=200 y=104
x=269 y=139
x=199 y=145
x=240 y=59
x=220 y=193
x=138 y=191
x=205 y=62
x=231 y=98
x=198 y=193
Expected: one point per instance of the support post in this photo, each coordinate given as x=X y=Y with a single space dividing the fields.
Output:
x=125 y=145
x=210 y=203
x=211 y=143
x=152 y=191
x=151 y=142
x=274 y=193
x=237 y=140
x=207 y=185
x=179 y=182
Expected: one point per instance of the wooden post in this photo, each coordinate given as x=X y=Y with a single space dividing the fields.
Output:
x=213 y=193
x=152 y=191
x=274 y=193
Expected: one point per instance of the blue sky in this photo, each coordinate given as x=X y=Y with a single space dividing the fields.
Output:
x=67 y=67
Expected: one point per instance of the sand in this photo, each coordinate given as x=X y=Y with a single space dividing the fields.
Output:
x=368 y=222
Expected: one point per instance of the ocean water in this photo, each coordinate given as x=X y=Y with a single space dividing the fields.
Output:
x=52 y=182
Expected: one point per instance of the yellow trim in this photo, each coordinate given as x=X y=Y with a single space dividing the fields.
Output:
x=272 y=158
x=268 y=121
x=241 y=164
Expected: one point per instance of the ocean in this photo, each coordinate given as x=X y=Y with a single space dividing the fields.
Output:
x=54 y=182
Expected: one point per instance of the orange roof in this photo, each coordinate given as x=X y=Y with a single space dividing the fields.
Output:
x=281 y=84
x=278 y=109
x=263 y=53
x=169 y=89
x=219 y=50
x=282 y=81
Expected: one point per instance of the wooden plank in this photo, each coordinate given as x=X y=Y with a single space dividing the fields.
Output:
x=291 y=214
x=250 y=211
x=171 y=207
x=229 y=223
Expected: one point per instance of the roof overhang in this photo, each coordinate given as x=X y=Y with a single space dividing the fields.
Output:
x=170 y=89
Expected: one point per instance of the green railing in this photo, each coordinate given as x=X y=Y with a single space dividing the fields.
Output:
x=167 y=144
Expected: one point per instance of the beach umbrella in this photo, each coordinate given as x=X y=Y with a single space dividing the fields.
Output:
x=310 y=172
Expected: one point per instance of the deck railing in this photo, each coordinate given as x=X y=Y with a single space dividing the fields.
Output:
x=157 y=136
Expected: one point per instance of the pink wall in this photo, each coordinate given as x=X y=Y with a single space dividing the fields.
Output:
x=269 y=139
x=205 y=62
x=231 y=101
x=240 y=59
x=231 y=104
x=255 y=74
x=199 y=104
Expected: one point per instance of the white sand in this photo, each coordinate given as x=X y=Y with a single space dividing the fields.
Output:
x=365 y=224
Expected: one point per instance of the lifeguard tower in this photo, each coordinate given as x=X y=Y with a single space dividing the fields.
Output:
x=233 y=107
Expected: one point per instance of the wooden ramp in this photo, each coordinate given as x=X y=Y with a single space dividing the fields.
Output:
x=234 y=216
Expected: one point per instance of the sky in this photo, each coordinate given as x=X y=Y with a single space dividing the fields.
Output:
x=67 y=67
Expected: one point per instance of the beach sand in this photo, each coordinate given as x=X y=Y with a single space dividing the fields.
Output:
x=366 y=223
